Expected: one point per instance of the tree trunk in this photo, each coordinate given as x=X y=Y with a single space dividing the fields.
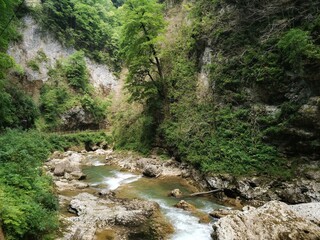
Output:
x=203 y=193
x=1 y=234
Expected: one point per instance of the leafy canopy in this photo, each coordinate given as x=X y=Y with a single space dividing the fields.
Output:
x=142 y=24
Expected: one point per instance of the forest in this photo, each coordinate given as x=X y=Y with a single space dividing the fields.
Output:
x=226 y=86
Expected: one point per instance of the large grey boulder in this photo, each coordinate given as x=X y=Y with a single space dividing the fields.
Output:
x=151 y=171
x=273 y=221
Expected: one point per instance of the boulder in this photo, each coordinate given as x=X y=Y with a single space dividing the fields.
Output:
x=273 y=221
x=61 y=167
x=185 y=206
x=151 y=171
x=176 y=193
x=310 y=211
x=220 y=213
x=94 y=213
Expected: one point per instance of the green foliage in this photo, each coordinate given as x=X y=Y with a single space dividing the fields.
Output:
x=7 y=8
x=97 y=107
x=296 y=46
x=81 y=139
x=17 y=109
x=28 y=207
x=134 y=131
x=88 y=25
x=76 y=72
x=53 y=101
x=67 y=88
x=33 y=65
x=142 y=24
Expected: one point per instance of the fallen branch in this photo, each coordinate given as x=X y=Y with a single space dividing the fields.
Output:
x=203 y=193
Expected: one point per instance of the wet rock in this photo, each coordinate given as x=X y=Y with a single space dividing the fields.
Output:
x=273 y=221
x=176 y=193
x=185 y=206
x=151 y=171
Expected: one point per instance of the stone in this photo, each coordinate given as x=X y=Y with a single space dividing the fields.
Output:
x=220 y=213
x=151 y=171
x=273 y=221
x=93 y=213
x=61 y=167
x=176 y=193
x=185 y=206
x=310 y=211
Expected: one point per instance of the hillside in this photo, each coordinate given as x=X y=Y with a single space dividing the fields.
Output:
x=230 y=88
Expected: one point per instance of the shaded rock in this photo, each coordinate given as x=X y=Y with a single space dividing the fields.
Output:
x=176 y=193
x=78 y=118
x=273 y=221
x=151 y=171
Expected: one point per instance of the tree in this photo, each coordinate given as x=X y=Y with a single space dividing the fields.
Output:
x=142 y=24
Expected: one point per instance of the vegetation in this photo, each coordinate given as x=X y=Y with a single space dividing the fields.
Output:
x=87 y=25
x=69 y=88
x=28 y=205
x=28 y=208
x=226 y=130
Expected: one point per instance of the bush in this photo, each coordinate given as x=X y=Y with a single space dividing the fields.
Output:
x=76 y=72
x=28 y=207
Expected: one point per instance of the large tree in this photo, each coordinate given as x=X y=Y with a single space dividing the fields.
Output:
x=142 y=24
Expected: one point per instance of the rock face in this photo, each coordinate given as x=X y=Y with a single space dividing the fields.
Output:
x=300 y=190
x=273 y=221
x=78 y=118
x=35 y=42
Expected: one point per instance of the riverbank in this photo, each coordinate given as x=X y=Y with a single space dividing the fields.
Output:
x=76 y=193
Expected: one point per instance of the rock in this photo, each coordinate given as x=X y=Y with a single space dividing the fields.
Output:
x=176 y=193
x=61 y=167
x=78 y=118
x=103 y=192
x=93 y=213
x=100 y=151
x=185 y=206
x=151 y=171
x=220 y=213
x=310 y=211
x=273 y=221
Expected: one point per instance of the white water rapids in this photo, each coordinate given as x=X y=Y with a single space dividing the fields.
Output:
x=187 y=226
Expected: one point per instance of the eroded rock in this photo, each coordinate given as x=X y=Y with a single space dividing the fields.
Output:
x=273 y=221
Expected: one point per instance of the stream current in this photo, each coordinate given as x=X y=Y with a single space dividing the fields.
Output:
x=130 y=185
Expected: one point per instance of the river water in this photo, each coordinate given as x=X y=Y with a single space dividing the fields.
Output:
x=130 y=185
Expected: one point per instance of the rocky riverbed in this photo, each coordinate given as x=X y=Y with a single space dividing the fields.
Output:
x=105 y=214
x=87 y=214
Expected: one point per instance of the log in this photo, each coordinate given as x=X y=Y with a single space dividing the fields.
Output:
x=203 y=193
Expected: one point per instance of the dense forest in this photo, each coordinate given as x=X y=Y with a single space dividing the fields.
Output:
x=227 y=86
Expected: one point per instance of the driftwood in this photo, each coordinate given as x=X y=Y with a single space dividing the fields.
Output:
x=203 y=193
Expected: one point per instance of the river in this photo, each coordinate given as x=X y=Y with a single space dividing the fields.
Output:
x=131 y=185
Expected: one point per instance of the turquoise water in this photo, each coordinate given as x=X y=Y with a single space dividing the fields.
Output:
x=129 y=185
